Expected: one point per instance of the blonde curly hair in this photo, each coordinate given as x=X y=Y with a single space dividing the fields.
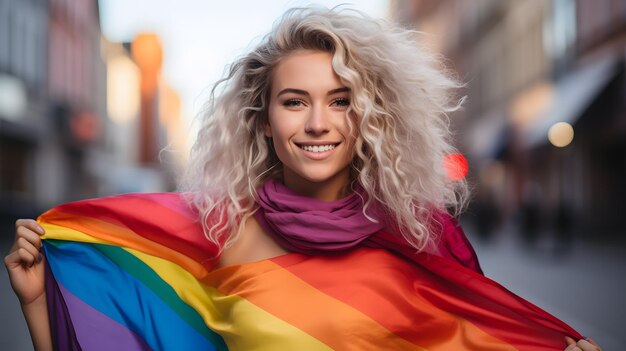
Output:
x=400 y=92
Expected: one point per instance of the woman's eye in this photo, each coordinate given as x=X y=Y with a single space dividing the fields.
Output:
x=293 y=103
x=341 y=102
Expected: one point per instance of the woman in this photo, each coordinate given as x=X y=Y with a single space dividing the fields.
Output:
x=326 y=145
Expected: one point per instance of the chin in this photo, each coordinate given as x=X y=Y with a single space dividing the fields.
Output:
x=317 y=178
x=320 y=176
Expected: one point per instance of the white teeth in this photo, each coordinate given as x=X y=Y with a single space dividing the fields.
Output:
x=318 y=148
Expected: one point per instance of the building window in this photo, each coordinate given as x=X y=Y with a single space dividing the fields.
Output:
x=5 y=32
x=560 y=33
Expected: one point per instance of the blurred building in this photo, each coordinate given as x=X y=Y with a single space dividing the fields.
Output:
x=76 y=103
x=144 y=130
x=24 y=108
x=60 y=80
x=545 y=122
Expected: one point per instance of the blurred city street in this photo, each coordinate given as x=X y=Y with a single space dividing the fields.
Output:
x=97 y=98
x=583 y=285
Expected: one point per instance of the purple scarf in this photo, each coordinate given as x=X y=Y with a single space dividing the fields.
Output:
x=310 y=226
x=306 y=225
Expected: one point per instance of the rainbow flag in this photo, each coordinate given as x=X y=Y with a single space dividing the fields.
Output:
x=134 y=272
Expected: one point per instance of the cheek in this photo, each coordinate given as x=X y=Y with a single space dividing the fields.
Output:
x=281 y=127
x=346 y=123
x=279 y=137
x=350 y=130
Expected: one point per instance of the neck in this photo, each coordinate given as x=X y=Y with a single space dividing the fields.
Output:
x=331 y=189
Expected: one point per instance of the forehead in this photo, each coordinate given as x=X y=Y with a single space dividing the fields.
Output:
x=305 y=69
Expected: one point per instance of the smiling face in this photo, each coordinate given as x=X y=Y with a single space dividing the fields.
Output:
x=308 y=125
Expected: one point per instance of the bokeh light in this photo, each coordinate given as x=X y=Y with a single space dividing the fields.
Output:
x=561 y=134
x=456 y=166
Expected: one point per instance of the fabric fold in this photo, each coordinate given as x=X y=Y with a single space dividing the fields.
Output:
x=313 y=227
x=112 y=260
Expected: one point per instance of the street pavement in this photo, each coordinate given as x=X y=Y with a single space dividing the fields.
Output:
x=13 y=330
x=584 y=286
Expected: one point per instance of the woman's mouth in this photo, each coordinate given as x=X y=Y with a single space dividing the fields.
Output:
x=317 y=148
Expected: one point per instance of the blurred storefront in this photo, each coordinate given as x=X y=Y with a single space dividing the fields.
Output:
x=545 y=123
x=70 y=106
x=24 y=108
x=74 y=125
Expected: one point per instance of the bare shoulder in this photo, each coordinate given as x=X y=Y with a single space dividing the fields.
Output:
x=254 y=244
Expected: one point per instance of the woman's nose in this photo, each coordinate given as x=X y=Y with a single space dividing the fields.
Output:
x=317 y=122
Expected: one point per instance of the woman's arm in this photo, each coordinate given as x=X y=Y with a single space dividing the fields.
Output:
x=36 y=314
x=25 y=265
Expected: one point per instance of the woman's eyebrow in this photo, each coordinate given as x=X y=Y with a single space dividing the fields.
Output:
x=338 y=90
x=306 y=93
x=292 y=90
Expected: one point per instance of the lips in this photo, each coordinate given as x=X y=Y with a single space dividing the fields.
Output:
x=316 y=143
x=317 y=146
x=318 y=150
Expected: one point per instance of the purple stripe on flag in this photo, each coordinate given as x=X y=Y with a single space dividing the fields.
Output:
x=96 y=331
x=61 y=328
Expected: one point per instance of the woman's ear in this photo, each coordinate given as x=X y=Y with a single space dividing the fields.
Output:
x=268 y=130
